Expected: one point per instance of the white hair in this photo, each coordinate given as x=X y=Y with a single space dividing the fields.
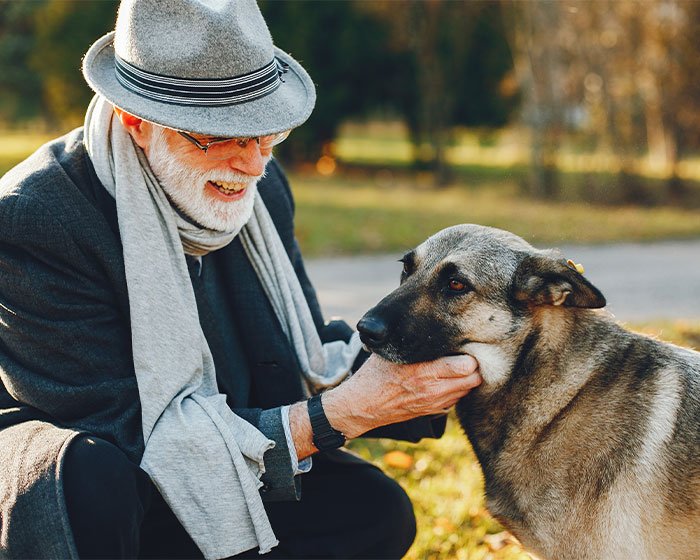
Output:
x=186 y=187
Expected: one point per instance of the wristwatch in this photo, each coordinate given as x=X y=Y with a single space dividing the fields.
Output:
x=325 y=436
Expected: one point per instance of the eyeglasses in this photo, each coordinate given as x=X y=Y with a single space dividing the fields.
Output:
x=224 y=148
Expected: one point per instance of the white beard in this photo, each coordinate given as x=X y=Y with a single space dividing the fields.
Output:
x=186 y=186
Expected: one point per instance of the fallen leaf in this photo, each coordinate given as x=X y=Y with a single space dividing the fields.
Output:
x=445 y=524
x=500 y=540
x=398 y=460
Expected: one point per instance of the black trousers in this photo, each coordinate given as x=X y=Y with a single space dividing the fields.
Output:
x=349 y=509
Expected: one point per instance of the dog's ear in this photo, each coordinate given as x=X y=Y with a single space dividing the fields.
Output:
x=542 y=280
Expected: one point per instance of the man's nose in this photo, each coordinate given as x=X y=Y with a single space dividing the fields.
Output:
x=249 y=160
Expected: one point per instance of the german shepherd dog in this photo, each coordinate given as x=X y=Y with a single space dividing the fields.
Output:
x=588 y=434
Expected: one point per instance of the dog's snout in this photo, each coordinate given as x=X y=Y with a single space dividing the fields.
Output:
x=373 y=331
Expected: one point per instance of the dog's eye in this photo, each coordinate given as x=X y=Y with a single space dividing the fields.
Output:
x=456 y=285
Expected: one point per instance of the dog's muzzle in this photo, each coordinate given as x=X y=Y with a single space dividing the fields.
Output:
x=373 y=331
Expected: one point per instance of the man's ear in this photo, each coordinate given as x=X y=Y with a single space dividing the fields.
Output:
x=136 y=127
x=543 y=280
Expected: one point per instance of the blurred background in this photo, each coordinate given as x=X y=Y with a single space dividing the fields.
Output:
x=570 y=123
x=522 y=115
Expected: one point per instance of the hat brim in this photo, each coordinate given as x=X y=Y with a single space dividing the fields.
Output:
x=285 y=108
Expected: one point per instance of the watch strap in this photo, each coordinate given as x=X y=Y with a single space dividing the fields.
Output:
x=325 y=437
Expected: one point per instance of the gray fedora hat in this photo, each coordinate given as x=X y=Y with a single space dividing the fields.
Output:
x=204 y=66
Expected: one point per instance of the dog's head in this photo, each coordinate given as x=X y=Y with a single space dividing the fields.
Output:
x=470 y=287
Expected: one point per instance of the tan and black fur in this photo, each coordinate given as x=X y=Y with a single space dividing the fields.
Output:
x=588 y=434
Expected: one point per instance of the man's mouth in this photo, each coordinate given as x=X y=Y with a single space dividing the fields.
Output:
x=228 y=189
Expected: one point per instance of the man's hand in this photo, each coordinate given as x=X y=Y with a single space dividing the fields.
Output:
x=383 y=392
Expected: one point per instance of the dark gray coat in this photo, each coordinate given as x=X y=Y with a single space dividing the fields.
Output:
x=65 y=344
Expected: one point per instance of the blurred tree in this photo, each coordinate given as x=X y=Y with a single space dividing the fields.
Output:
x=344 y=51
x=620 y=73
x=671 y=92
x=575 y=63
x=436 y=64
x=537 y=35
x=485 y=77
x=456 y=60
x=64 y=30
x=41 y=45
x=19 y=86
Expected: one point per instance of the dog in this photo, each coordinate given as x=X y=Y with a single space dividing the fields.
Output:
x=587 y=434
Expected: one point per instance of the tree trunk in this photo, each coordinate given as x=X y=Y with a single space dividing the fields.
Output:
x=542 y=112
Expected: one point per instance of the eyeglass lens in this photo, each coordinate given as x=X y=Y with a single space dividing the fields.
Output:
x=226 y=148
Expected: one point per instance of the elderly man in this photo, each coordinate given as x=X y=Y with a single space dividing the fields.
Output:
x=166 y=372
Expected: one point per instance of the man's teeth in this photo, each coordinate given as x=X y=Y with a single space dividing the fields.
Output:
x=229 y=188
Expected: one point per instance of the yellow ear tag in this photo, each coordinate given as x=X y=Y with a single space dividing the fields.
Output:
x=578 y=266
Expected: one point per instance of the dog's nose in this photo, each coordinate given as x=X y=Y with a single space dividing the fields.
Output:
x=373 y=331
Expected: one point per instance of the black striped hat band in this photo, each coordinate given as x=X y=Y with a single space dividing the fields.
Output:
x=201 y=92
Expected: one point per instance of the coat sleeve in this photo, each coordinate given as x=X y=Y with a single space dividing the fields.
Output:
x=65 y=347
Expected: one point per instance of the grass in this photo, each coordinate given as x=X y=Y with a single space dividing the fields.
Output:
x=445 y=483
x=390 y=209
x=379 y=142
x=15 y=146
x=389 y=212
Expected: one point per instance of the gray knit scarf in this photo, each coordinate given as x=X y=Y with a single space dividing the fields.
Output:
x=205 y=460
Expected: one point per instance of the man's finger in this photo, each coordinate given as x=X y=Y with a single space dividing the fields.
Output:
x=457 y=366
x=462 y=386
x=473 y=380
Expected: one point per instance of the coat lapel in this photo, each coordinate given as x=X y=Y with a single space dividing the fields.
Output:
x=275 y=375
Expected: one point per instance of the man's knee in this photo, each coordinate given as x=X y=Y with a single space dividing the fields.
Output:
x=106 y=496
x=393 y=517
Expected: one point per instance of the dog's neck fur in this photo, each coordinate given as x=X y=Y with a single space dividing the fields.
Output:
x=554 y=328
x=549 y=346
x=544 y=368
x=601 y=405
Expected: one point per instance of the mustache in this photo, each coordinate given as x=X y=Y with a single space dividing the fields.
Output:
x=231 y=176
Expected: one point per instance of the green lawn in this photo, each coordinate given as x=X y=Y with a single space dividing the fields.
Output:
x=386 y=212
x=389 y=209
x=15 y=146
x=446 y=486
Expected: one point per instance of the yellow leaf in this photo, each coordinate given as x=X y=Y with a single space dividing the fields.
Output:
x=445 y=524
x=500 y=540
x=398 y=460
x=576 y=266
